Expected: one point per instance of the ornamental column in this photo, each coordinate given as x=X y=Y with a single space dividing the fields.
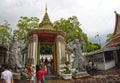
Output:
x=60 y=50
x=32 y=49
x=35 y=47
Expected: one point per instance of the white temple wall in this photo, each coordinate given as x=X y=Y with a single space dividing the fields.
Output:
x=101 y=66
x=109 y=65
x=101 y=63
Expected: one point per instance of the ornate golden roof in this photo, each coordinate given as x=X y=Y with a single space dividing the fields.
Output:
x=46 y=23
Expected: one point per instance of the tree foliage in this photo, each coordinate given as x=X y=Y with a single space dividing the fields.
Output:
x=72 y=28
x=92 y=47
x=109 y=37
x=4 y=33
x=45 y=49
x=25 y=24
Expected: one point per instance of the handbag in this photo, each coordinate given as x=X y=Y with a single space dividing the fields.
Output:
x=44 y=79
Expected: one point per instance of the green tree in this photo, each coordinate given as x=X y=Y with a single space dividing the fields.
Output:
x=72 y=28
x=25 y=24
x=92 y=47
x=45 y=49
x=109 y=37
x=4 y=33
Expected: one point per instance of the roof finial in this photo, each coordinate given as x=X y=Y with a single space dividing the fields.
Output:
x=46 y=8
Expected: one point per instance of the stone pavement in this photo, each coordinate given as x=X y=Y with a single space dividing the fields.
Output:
x=109 y=76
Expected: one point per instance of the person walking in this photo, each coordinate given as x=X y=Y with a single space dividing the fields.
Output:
x=46 y=61
x=40 y=74
x=6 y=75
x=90 y=63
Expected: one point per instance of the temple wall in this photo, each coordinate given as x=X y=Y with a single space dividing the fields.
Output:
x=109 y=65
x=100 y=61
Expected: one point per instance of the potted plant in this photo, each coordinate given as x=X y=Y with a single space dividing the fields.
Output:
x=67 y=74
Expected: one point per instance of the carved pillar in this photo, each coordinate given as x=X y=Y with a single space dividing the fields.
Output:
x=35 y=44
x=32 y=49
x=60 y=50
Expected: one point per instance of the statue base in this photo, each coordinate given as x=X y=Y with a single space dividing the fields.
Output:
x=16 y=76
x=80 y=75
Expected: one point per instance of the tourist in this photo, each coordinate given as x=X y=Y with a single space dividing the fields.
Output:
x=89 y=67
x=51 y=61
x=33 y=74
x=29 y=72
x=90 y=64
x=6 y=75
x=42 y=60
x=46 y=61
x=40 y=73
x=49 y=68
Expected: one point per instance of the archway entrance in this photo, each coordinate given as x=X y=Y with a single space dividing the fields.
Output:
x=47 y=55
x=46 y=35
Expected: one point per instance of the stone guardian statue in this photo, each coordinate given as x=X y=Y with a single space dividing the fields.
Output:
x=15 y=54
x=75 y=48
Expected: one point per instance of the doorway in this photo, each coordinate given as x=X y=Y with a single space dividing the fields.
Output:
x=47 y=55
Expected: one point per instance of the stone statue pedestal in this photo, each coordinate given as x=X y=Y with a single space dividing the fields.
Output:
x=80 y=74
x=16 y=76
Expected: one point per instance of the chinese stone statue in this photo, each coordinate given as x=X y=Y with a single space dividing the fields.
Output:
x=75 y=48
x=15 y=54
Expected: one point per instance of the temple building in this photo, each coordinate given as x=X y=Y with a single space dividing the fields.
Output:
x=108 y=56
x=113 y=47
x=45 y=34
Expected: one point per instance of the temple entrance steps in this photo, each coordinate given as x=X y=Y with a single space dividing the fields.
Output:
x=52 y=76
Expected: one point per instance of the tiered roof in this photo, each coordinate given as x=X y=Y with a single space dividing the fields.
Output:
x=46 y=29
x=46 y=23
x=115 y=41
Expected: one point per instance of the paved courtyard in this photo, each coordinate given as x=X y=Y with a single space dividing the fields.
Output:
x=109 y=76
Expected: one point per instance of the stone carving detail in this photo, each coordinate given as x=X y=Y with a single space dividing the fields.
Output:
x=75 y=48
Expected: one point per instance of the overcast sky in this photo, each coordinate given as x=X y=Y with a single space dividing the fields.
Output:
x=94 y=15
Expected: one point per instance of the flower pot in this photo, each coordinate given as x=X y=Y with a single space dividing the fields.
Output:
x=67 y=76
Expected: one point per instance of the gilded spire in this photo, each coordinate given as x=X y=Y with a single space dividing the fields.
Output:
x=46 y=8
x=46 y=23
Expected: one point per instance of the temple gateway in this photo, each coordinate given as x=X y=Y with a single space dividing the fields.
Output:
x=45 y=34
